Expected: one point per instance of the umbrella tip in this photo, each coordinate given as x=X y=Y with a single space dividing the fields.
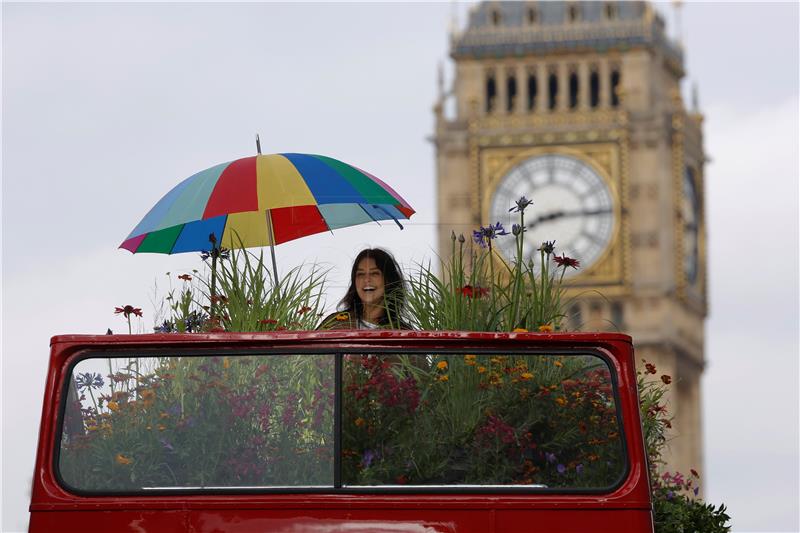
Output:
x=258 y=144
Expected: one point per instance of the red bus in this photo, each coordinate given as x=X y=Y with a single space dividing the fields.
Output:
x=379 y=431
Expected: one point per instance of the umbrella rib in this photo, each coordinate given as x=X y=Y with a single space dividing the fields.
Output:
x=376 y=206
x=375 y=220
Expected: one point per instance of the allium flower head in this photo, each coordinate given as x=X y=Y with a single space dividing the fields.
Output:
x=548 y=247
x=88 y=380
x=521 y=205
x=483 y=235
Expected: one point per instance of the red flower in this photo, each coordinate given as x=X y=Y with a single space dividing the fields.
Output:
x=472 y=292
x=268 y=321
x=666 y=379
x=185 y=277
x=128 y=310
x=651 y=368
x=694 y=472
x=303 y=310
x=565 y=261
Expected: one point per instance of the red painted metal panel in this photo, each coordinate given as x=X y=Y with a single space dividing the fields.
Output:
x=627 y=508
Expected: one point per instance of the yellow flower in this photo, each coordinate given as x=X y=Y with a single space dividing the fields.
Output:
x=561 y=401
x=114 y=406
x=163 y=415
x=520 y=330
x=121 y=459
x=526 y=375
x=495 y=360
x=546 y=328
x=470 y=360
x=558 y=363
x=360 y=421
x=162 y=427
x=481 y=369
x=441 y=365
x=226 y=363
x=443 y=378
x=341 y=317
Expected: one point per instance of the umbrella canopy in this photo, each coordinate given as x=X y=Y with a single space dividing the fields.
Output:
x=264 y=200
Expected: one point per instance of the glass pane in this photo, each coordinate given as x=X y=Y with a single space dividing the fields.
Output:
x=535 y=420
x=199 y=422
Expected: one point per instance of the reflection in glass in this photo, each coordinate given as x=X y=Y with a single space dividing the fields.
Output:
x=199 y=422
x=467 y=419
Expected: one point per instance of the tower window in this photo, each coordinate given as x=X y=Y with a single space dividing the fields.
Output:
x=532 y=88
x=575 y=317
x=617 y=315
x=496 y=18
x=533 y=16
x=610 y=11
x=511 y=92
x=614 y=88
x=573 y=90
x=573 y=14
x=491 y=94
x=594 y=89
x=552 y=87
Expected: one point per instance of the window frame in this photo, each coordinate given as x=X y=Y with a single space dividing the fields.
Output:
x=337 y=488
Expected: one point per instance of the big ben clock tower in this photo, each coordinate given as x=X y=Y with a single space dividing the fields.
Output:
x=577 y=106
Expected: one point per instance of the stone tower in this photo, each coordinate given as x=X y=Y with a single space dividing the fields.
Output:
x=577 y=105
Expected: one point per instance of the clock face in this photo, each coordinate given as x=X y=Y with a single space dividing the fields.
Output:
x=572 y=205
x=690 y=213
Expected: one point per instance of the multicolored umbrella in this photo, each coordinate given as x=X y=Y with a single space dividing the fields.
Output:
x=264 y=200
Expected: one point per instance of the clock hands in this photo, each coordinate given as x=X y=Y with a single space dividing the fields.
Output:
x=563 y=214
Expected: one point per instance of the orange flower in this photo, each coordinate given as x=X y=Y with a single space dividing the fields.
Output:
x=470 y=360
x=121 y=459
x=561 y=401
x=162 y=427
x=526 y=375
x=114 y=406
x=443 y=378
x=441 y=365
x=341 y=317
x=226 y=363
x=546 y=328
x=520 y=330
x=359 y=421
x=558 y=363
x=481 y=369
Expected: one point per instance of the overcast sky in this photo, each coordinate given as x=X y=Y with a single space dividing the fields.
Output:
x=106 y=107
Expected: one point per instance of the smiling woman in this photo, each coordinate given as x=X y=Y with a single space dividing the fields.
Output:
x=376 y=296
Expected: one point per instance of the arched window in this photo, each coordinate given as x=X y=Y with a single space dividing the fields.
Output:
x=552 y=91
x=491 y=93
x=573 y=13
x=511 y=93
x=496 y=18
x=533 y=15
x=533 y=87
x=614 y=88
x=573 y=90
x=610 y=11
x=594 y=89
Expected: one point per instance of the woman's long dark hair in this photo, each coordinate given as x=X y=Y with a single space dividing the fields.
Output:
x=394 y=295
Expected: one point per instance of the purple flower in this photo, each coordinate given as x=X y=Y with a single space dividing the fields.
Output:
x=368 y=457
x=579 y=469
x=483 y=235
x=88 y=380
x=561 y=468
x=551 y=457
x=167 y=445
x=696 y=491
x=521 y=204
x=670 y=494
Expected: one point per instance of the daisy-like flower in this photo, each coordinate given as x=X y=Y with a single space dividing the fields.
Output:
x=546 y=328
x=123 y=460
x=441 y=365
x=127 y=311
x=565 y=261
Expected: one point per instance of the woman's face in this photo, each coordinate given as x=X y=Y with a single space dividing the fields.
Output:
x=369 y=282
